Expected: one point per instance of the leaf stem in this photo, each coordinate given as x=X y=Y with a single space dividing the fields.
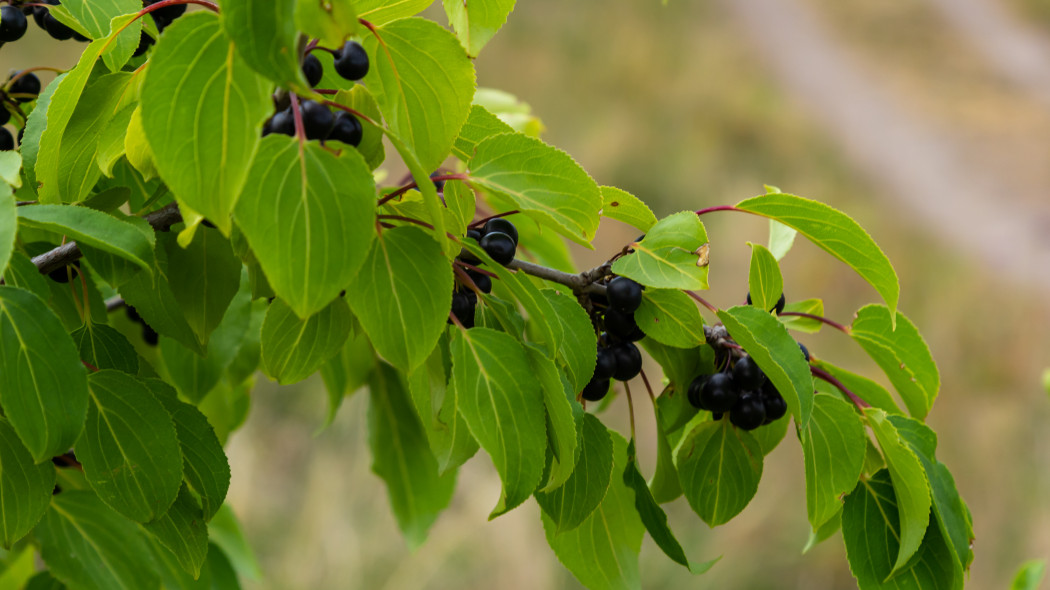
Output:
x=31 y=70
x=824 y=375
x=300 y=131
x=719 y=208
x=476 y=269
x=649 y=389
x=484 y=220
x=630 y=406
x=841 y=328
x=412 y=185
x=406 y=219
x=353 y=112
x=701 y=301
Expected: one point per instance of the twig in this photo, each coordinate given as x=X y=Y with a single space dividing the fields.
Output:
x=822 y=374
x=833 y=324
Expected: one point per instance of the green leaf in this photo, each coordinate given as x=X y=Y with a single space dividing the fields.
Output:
x=681 y=366
x=670 y=317
x=1030 y=575
x=407 y=57
x=781 y=238
x=112 y=144
x=137 y=150
x=204 y=276
x=833 y=448
x=402 y=457
x=92 y=228
x=777 y=354
x=871 y=533
x=183 y=531
x=719 y=467
x=22 y=273
x=511 y=110
x=764 y=281
x=308 y=206
x=654 y=518
x=437 y=405
x=8 y=226
x=202 y=112
x=293 y=349
x=770 y=435
x=204 y=464
x=44 y=581
x=578 y=347
x=664 y=485
x=35 y=126
x=500 y=400
x=379 y=12
x=150 y=293
x=865 y=388
x=225 y=531
x=834 y=232
x=825 y=531
x=477 y=22
x=88 y=545
x=911 y=487
x=603 y=551
x=902 y=354
x=570 y=505
x=129 y=449
x=330 y=21
x=542 y=181
x=673 y=255
x=622 y=206
x=43 y=386
x=124 y=38
x=95 y=15
x=403 y=296
x=803 y=324
x=10 y=166
x=564 y=418
x=265 y=36
x=480 y=125
x=25 y=487
x=346 y=372
x=20 y=568
x=103 y=347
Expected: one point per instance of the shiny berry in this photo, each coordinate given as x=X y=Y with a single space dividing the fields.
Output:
x=605 y=364
x=595 y=390
x=693 y=395
x=748 y=412
x=282 y=123
x=747 y=375
x=13 y=24
x=312 y=70
x=351 y=62
x=56 y=29
x=347 y=129
x=622 y=325
x=775 y=405
x=28 y=84
x=628 y=361
x=503 y=225
x=718 y=394
x=317 y=119
x=624 y=294
x=7 y=143
x=482 y=281
x=463 y=308
x=499 y=246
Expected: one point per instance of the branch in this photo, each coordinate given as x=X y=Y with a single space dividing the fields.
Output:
x=583 y=281
x=66 y=254
x=826 y=376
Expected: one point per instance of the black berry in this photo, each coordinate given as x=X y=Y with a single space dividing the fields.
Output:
x=605 y=364
x=774 y=403
x=624 y=294
x=747 y=375
x=716 y=416
x=61 y=275
x=13 y=24
x=56 y=29
x=7 y=142
x=150 y=335
x=502 y=225
x=282 y=123
x=351 y=62
x=622 y=325
x=463 y=308
x=499 y=246
x=5 y=115
x=693 y=394
x=748 y=412
x=28 y=84
x=312 y=70
x=347 y=129
x=805 y=351
x=317 y=119
x=39 y=12
x=718 y=394
x=482 y=281
x=595 y=390
x=628 y=361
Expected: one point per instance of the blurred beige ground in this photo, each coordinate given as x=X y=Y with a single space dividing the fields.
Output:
x=926 y=120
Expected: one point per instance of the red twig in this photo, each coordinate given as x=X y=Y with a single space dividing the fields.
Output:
x=822 y=319
x=824 y=375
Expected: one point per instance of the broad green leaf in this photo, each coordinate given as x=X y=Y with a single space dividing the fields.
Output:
x=182 y=529
x=22 y=273
x=578 y=347
x=501 y=402
x=44 y=581
x=462 y=204
x=103 y=347
x=543 y=182
x=864 y=388
x=204 y=276
x=431 y=200
x=833 y=448
x=654 y=518
x=379 y=12
x=226 y=407
x=358 y=98
x=803 y=324
x=36 y=124
x=777 y=354
x=670 y=409
x=129 y=449
x=902 y=354
x=681 y=366
x=403 y=295
x=137 y=149
x=911 y=488
x=719 y=467
x=225 y=531
x=309 y=218
x=781 y=238
x=564 y=418
x=293 y=349
x=122 y=44
x=150 y=293
x=480 y=125
x=603 y=551
x=763 y=280
x=346 y=372
x=834 y=232
x=92 y=228
x=202 y=112
x=872 y=534
x=43 y=386
x=673 y=255
x=407 y=57
x=569 y=505
x=20 y=568
x=330 y=21
x=437 y=405
x=511 y=110
x=87 y=545
x=825 y=531
x=622 y=206
x=8 y=226
x=204 y=464
x=770 y=435
x=95 y=15
x=10 y=166
x=402 y=457
x=112 y=144
x=1030 y=575
x=670 y=317
x=64 y=100
x=265 y=36
x=25 y=487
x=478 y=21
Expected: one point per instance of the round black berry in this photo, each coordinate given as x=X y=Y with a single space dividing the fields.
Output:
x=149 y=335
x=775 y=405
x=747 y=375
x=502 y=225
x=39 y=12
x=716 y=416
x=605 y=364
x=28 y=84
x=169 y=13
x=499 y=246
x=5 y=115
x=628 y=361
x=748 y=412
x=132 y=313
x=7 y=143
x=693 y=394
x=482 y=281
x=595 y=390
x=351 y=62
x=347 y=129
x=56 y=29
x=13 y=24
x=718 y=394
x=463 y=309
x=312 y=70
x=805 y=351
x=622 y=325
x=317 y=119
x=624 y=294
x=282 y=123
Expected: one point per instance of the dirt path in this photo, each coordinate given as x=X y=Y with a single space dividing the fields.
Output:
x=925 y=173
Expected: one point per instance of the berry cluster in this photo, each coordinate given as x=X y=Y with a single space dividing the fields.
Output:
x=13 y=22
x=497 y=237
x=618 y=355
x=148 y=334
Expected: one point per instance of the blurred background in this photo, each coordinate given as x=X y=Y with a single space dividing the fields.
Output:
x=925 y=120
